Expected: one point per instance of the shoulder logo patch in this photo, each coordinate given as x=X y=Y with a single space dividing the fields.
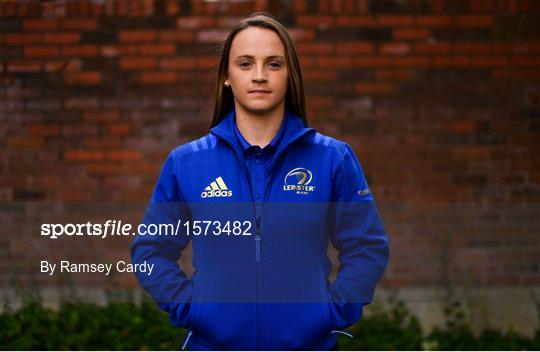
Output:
x=363 y=192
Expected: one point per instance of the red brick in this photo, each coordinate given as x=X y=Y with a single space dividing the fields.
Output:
x=397 y=74
x=372 y=61
x=85 y=50
x=172 y=8
x=158 y=77
x=63 y=65
x=314 y=21
x=211 y=35
x=195 y=22
x=355 y=47
x=101 y=116
x=138 y=63
x=119 y=128
x=335 y=61
x=470 y=152
x=9 y=9
x=355 y=21
x=121 y=50
x=62 y=37
x=23 y=38
x=157 y=49
x=110 y=51
x=521 y=48
x=317 y=48
x=374 y=88
x=84 y=155
x=82 y=130
x=472 y=47
x=307 y=61
x=41 y=51
x=25 y=142
x=412 y=61
x=319 y=75
x=394 y=48
x=207 y=62
x=138 y=36
x=44 y=130
x=299 y=6
x=324 y=7
x=488 y=61
x=302 y=35
x=183 y=36
x=83 y=78
x=395 y=21
x=411 y=34
x=103 y=169
x=40 y=24
x=529 y=75
x=24 y=66
x=525 y=60
x=440 y=47
x=102 y=143
x=434 y=21
x=451 y=61
x=83 y=24
x=178 y=63
x=513 y=6
x=462 y=126
x=474 y=21
x=127 y=155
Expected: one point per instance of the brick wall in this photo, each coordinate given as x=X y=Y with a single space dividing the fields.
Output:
x=440 y=100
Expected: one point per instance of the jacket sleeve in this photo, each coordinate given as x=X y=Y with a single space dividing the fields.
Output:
x=360 y=238
x=167 y=285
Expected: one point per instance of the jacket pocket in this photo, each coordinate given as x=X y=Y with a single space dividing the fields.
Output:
x=195 y=300
x=325 y=300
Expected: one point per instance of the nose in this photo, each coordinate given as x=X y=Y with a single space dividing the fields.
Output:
x=260 y=74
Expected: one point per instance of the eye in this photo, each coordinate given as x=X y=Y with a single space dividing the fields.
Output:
x=244 y=64
x=275 y=64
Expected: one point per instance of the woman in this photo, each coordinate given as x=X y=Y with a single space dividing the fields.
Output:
x=285 y=190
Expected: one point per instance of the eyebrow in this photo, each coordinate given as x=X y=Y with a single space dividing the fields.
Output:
x=267 y=58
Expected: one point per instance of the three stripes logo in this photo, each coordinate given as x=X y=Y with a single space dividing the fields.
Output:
x=217 y=188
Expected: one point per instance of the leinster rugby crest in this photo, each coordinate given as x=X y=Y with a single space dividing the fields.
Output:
x=299 y=180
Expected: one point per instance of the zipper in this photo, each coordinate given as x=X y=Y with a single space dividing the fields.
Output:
x=187 y=339
x=258 y=240
x=258 y=243
x=258 y=284
x=258 y=237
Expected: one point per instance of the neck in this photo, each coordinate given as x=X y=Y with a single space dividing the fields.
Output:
x=259 y=129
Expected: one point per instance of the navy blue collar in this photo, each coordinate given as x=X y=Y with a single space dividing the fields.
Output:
x=273 y=144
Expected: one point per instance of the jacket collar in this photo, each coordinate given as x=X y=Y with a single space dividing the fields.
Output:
x=293 y=130
x=273 y=144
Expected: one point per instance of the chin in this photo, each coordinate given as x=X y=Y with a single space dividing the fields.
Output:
x=265 y=107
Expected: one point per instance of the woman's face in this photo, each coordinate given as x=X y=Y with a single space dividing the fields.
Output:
x=257 y=62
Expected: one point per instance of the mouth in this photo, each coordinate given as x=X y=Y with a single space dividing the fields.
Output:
x=259 y=91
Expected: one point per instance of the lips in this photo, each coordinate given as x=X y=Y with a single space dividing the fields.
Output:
x=260 y=91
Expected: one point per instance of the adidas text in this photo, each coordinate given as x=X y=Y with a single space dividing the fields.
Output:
x=216 y=193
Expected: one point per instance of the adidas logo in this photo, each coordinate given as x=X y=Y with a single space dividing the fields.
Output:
x=217 y=188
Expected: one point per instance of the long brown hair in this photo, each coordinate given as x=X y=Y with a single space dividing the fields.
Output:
x=294 y=99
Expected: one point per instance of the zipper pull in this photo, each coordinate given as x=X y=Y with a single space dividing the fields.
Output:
x=258 y=243
x=187 y=339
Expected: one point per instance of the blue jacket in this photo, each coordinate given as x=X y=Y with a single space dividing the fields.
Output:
x=266 y=288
